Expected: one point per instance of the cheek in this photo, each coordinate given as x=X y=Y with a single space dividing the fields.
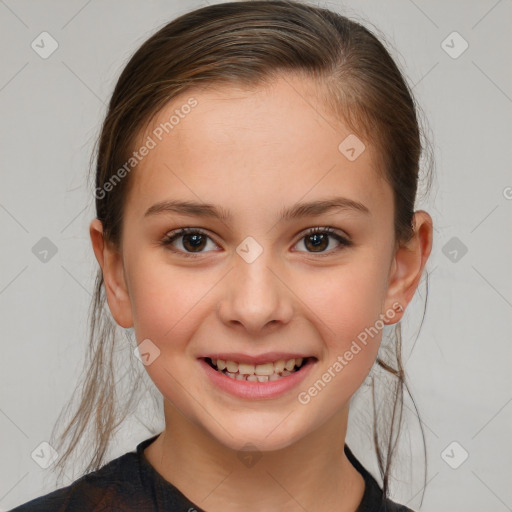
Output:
x=346 y=309
x=345 y=305
x=346 y=297
x=164 y=299
x=168 y=304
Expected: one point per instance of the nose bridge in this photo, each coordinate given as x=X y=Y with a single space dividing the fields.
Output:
x=256 y=296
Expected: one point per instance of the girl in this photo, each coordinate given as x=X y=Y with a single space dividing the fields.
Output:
x=255 y=187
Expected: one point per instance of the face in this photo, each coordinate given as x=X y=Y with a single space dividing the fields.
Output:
x=257 y=283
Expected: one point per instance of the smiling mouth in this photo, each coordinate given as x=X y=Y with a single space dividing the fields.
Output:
x=266 y=372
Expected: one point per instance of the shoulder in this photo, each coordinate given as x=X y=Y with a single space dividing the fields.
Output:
x=113 y=487
x=391 y=506
x=373 y=499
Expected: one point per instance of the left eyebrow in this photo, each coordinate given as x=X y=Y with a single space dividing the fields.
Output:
x=299 y=210
x=320 y=207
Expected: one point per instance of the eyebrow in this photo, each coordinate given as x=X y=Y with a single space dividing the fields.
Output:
x=299 y=210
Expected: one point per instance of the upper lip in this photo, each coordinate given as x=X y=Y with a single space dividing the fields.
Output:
x=259 y=359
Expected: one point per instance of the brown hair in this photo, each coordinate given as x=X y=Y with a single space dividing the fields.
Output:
x=249 y=43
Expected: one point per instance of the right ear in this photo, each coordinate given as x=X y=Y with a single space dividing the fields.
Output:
x=112 y=266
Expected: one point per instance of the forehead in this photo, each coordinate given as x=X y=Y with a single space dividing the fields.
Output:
x=259 y=146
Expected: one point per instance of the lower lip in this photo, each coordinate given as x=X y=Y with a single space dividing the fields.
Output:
x=257 y=390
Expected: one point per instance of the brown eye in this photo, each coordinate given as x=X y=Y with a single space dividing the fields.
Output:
x=192 y=241
x=317 y=240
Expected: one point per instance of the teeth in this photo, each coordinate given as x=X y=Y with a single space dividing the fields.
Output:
x=246 y=369
x=232 y=366
x=290 y=365
x=259 y=372
x=266 y=369
x=279 y=366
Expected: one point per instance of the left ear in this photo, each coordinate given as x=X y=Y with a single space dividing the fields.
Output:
x=407 y=267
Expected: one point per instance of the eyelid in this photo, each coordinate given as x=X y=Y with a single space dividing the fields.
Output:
x=175 y=234
x=325 y=229
x=342 y=238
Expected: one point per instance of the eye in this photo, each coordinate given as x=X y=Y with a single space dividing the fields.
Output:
x=319 y=239
x=193 y=241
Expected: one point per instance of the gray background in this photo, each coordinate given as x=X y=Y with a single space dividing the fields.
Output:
x=460 y=364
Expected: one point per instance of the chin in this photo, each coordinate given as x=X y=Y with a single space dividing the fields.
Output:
x=275 y=433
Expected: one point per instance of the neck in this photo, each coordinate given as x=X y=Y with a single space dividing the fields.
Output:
x=312 y=473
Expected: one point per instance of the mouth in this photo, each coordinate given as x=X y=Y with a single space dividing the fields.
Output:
x=266 y=372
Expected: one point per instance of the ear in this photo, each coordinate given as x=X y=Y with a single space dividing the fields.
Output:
x=112 y=266
x=407 y=267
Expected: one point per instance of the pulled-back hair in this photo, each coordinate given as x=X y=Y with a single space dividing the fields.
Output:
x=249 y=43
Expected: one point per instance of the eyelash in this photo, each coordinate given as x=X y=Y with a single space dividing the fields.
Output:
x=173 y=235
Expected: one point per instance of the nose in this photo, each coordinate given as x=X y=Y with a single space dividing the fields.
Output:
x=255 y=295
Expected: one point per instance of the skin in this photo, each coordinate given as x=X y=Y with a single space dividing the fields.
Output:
x=254 y=152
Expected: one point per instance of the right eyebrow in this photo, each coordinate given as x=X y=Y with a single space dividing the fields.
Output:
x=188 y=208
x=299 y=210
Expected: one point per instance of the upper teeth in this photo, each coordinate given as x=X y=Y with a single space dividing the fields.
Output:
x=258 y=369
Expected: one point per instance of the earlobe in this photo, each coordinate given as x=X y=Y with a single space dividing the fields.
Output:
x=408 y=266
x=112 y=266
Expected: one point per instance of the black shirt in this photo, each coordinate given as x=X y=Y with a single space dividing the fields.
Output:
x=130 y=483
